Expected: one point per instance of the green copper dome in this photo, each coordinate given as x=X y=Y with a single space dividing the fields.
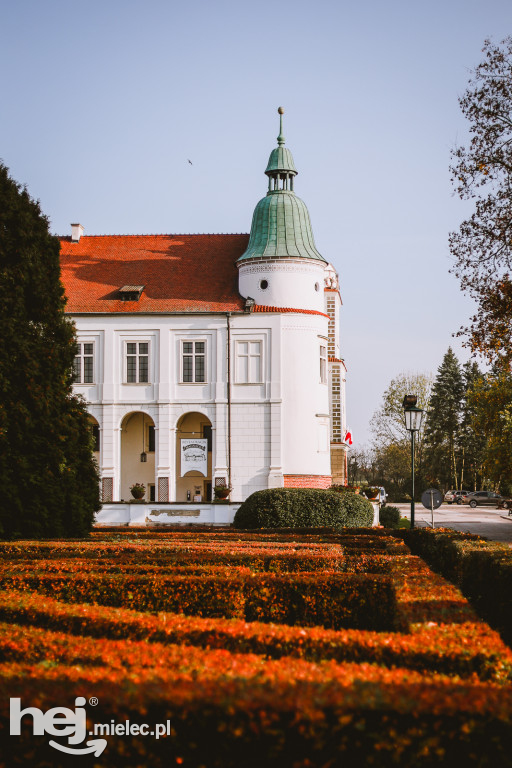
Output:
x=281 y=159
x=281 y=227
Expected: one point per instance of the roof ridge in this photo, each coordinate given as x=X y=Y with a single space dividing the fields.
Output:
x=166 y=234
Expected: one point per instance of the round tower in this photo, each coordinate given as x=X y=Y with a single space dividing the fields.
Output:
x=284 y=274
x=281 y=266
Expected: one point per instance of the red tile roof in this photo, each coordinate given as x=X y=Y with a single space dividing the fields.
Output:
x=180 y=273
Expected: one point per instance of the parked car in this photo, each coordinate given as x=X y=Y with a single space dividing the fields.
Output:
x=484 y=498
x=455 y=496
x=383 y=495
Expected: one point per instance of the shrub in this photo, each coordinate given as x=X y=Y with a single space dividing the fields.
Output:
x=303 y=508
x=389 y=517
x=482 y=569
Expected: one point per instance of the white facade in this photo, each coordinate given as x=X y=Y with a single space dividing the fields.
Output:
x=270 y=424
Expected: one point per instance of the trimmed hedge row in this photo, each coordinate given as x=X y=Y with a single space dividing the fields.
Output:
x=461 y=649
x=238 y=707
x=219 y=723
x=330 y=600
x=303 y=508
x=482 y=569
x=266 y=560
x=144 y=545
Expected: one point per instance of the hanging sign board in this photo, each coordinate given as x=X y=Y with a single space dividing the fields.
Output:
x=194 y=455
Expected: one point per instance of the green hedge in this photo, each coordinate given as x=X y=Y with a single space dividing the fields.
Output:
x=303 y=508
x=480 y=568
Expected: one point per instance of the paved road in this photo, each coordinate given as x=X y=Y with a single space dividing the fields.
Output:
x=494 y=524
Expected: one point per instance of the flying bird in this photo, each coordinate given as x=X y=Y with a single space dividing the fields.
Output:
x=190 y=161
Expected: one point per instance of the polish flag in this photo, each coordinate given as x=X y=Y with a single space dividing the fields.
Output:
x=348 y=437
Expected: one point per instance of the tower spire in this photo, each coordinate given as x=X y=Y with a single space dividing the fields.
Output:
x=280 y=138
x=280 y=226
x=280 y=164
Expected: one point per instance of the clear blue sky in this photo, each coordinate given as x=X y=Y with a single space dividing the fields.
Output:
x=104 y=102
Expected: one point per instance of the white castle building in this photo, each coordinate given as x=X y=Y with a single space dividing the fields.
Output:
x=209 y=360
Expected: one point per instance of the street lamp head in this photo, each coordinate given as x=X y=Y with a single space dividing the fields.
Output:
x=413 y=418
x=409 y=400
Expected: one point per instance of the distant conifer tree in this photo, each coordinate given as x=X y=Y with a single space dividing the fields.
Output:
x=472 y=441
x=442 y=432
x=48 y=478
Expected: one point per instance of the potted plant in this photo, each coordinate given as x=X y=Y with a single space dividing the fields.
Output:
x=371 y=492
x=138 y=490
x=222 y=491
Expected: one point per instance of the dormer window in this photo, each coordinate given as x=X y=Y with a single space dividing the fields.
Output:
x=131 y=292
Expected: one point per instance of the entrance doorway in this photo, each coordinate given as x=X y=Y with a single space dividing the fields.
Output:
x=137 y=454
x=194 y=484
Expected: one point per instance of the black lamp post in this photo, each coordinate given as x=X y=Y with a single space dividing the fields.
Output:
x=413 y=421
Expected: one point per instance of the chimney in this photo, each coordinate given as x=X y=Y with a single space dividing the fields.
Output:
x=76 y=232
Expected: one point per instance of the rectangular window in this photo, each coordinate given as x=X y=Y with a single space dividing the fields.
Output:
x=323 y=364
x=207 y=435
x=83 y=366
x=95 y=437
x=151 y=439
x=248 y=362
x=137 y=362
x=194 y=362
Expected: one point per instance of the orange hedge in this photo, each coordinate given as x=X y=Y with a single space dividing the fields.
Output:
x=275 y=721
x=330 y=600
x=457 y=649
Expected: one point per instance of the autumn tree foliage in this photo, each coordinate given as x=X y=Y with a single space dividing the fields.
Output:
x=388 y=422
x=491 y=420
x=482 y=171
x=48 y=477
x=391 y=440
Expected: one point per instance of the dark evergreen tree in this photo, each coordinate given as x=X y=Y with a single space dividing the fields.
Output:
x=472 y=442
x=48 y=476
x=442 y=432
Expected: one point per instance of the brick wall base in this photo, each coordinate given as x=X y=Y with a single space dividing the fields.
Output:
x=338 y=464
x=307 y=481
